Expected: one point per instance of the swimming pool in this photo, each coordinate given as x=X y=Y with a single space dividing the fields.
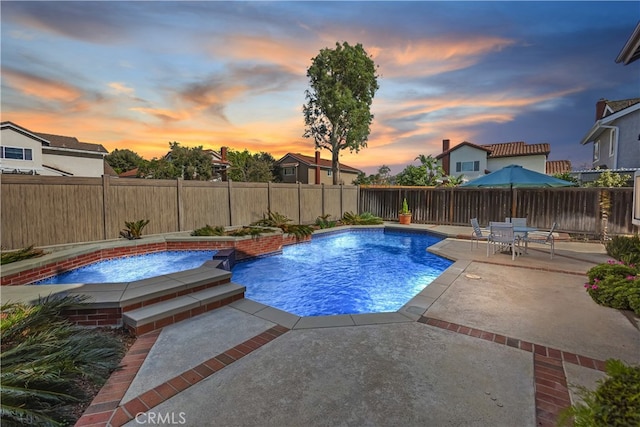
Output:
x=351 y=272
x=136 y=267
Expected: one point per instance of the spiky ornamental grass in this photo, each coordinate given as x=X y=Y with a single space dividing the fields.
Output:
x=278 y=220
x=45 y=359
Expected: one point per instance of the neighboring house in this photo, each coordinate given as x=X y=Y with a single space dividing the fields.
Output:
x=294 y=167
x=219 y=165
x=631 y=50
x=26 y=152
x=615 y=135
x=473 y=160
x=558 y=166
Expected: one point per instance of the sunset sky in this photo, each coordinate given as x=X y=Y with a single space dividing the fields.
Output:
x=138 y=75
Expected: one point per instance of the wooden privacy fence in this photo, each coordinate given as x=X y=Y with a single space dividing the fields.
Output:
x=576 y=210
x=43 y=210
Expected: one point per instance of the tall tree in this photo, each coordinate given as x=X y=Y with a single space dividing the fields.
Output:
x=338 y=111
x=123 y=160
x=247 y=167
x=427 y=174
x=180 y=162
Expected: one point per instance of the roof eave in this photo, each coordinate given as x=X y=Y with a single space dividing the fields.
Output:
x=631 y=50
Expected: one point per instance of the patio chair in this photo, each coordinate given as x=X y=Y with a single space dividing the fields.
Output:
x=517 y=222
x=543 y=239
x=477 y=234
x=501 y=236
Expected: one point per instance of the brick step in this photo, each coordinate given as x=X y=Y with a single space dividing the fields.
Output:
x=161 y=314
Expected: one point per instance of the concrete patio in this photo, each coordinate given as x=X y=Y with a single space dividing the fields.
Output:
x=491 y=342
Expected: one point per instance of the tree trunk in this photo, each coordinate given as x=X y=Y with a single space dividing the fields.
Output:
x=335 y=167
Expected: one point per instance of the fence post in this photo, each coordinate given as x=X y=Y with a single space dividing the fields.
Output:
x=230 y=204
x=105 y=200
x=341 y=202
x=299 y=203
x=323 y=201
x=180 y=205
x=269 y=195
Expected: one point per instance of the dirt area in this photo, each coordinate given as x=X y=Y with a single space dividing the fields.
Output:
x=91 y=389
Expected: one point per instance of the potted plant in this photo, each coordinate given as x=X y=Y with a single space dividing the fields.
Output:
x=404 y=216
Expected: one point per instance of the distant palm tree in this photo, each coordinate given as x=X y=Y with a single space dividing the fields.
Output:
x=434 y=171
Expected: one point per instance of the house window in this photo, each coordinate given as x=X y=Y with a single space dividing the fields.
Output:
x=612 y=142
x=289 y=171
x=330 y=172
x=16 y=153
x=596 y=151
x=468 y=166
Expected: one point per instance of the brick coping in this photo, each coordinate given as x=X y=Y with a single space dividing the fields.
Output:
x=550 y=380
x=107 y=410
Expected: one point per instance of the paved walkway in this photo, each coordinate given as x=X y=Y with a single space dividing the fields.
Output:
x=491 y=342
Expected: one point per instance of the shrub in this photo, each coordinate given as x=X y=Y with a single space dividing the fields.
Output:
x=366 y=218
x=134 y=229
x=46 y=360
x=20 y=254
x=208 y=230
x=277 y=220
x=323 y=221
x=615 y=285
x=624 y=248
x=219 y=230
x=615 y=401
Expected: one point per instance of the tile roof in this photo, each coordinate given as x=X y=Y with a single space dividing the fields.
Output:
x=311 y=161
x=557 y=166
x=133 y=173
x=467 y=143
x=519 y=148
x=70 y=142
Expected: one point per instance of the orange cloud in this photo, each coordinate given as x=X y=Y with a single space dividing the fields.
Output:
x=40 y=87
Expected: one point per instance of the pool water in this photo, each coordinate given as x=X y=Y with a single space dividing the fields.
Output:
x=136 y=267
x=344 y=273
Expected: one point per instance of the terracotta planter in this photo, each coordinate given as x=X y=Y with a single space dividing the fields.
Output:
x=404 y=218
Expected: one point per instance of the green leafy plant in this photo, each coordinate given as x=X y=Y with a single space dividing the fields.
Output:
x=277 y=220
x=615 y=285
x=208 y=230
x=134 y=229
x=46 y=360
x=25 y=253
x=366 y=218
x=323 y=221
x=220 y=231
x=615 y=401
x=405 y=208
x=610 y=179
x=624 y=248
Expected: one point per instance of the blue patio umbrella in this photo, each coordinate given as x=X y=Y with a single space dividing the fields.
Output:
x=515 y=176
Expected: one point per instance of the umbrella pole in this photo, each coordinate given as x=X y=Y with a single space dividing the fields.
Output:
x=513 y=211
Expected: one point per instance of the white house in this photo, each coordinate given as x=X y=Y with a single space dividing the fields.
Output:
x=473 y=160
x=27 y=152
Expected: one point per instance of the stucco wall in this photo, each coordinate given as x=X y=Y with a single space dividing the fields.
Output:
x=468 y=154
x=78 y=166
x=534 y=162
x=629 y=140
x=11 y=138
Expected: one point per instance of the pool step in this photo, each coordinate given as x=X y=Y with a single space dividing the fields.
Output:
x=161 y=314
